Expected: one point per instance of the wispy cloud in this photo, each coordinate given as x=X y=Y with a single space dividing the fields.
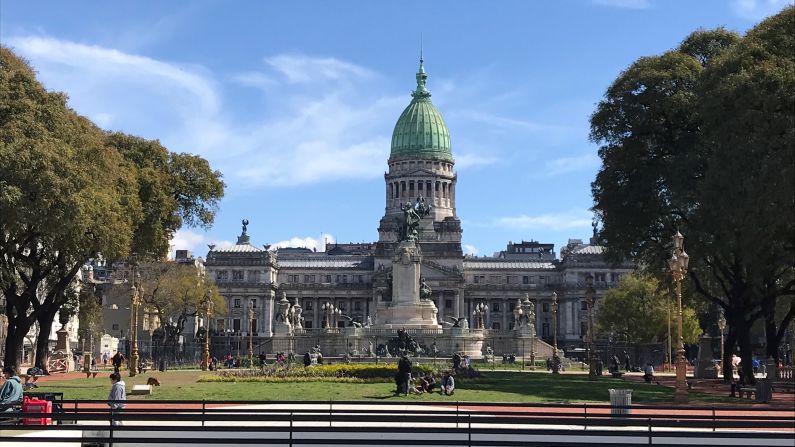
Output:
x=470 y=249
x=310 y=137
x=566 y=165
x=302 y=69
x=306 y=242
x=624 y=4
x=469 y=160
x=551 y=221
x=195 y=242
x=755 y=10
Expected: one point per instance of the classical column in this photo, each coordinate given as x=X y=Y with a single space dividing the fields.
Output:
x=504 y=307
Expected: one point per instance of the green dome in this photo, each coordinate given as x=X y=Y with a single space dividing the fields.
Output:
x=420 y=132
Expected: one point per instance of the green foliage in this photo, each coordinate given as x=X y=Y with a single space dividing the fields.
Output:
x=639 y=310
x=177 y=292
x=69 y=191
x=702 y=139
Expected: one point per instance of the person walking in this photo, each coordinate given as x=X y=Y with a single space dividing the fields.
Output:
x=116 y=396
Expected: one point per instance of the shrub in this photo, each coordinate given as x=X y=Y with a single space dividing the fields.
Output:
x=341 y=372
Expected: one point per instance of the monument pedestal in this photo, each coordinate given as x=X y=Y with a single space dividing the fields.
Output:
x=407 y=309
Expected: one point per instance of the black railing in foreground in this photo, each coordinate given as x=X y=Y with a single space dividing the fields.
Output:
x=402 y=423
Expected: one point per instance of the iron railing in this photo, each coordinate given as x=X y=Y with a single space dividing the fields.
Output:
x=394 y=423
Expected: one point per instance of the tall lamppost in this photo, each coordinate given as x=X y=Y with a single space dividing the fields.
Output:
x=555 y=358
x=206 y=351
x=251 y=329
x=136 y=302
x=678 y=265
x=721 y=328
x=589 y=298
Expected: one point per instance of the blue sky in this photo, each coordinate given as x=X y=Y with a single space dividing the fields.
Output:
x=295 y=101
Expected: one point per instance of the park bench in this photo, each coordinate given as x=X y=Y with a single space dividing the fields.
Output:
x=616 y=374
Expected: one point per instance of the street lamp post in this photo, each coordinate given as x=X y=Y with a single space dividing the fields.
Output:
x=251 y=330
x=555 y=358
x=721 y=328
x=136 y=302
x=678 y=265
x=589 y=297
x=206 y=351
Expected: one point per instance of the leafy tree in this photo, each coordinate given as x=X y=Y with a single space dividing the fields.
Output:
x=177 y=292
x=638 y=309
x=69 y=191
x=701 y=139
x=89 y=315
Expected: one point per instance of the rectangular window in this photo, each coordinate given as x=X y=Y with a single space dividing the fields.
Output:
x=308 y=324
x=308 y=305
x=339 y=279
x=525 y=280
x=328 y=279
x=448 y=304
x=583 y=328
x=237 y=275
x=357 y=305
x=495 y=307
x=221 y=275
x=344 y=279
x=253 y=303
x=115 y=326
x=254 y=326
x=545 y=306
x=220 y=324
x=476 y=279
x=236 y=302
x=236 y=325
x=340 y=324
x=419 y=186
x=545 y=330
x=411 y=186
x=614 y=277
x=583 y=305
x=361 y=279
x=341 y=305
x=600 y=277
x=309 y=279
x=495 y=325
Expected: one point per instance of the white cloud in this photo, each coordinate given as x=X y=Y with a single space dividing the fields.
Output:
x=302 y=69
x=313 y=134
x=551 y=221
x=196 y=242
x=469 y=160
x=567 y=165
x=624 y=4
x=755 y=10
x=470 y=249
x=306 y=242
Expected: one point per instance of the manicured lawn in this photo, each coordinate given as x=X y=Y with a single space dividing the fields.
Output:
x=493 y=386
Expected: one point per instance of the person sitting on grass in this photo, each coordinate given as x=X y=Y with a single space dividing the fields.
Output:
x=428 y=382
x=448 y=384
x=11 y=392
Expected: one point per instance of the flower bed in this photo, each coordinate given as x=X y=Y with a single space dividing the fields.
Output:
x=341 y=372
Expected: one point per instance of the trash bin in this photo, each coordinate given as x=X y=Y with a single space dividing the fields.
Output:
x=620 y=400
x=38 y=406
x=764 y=392
x=163 y=365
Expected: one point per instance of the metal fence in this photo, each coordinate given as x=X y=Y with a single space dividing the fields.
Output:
x=323 y=423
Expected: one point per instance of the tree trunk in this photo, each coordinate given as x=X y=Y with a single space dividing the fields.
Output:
x=771 y=332
x=15 y=338
x=746 y=353
x=43 y=341
x=728 y=351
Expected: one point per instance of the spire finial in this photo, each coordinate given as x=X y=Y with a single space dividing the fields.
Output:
x=421 y=91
